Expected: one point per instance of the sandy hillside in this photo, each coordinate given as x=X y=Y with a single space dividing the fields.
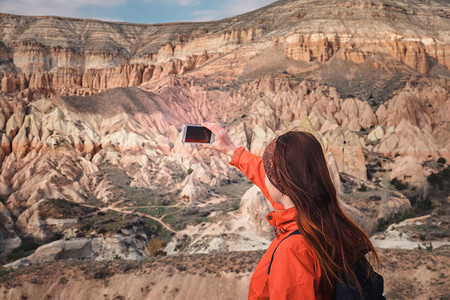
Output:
x=408 y=274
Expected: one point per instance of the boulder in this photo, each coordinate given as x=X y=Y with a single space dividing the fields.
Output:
x=130 y=246
x=376 y=134
x=347 y=148
x=254 y=208
x=408 y=169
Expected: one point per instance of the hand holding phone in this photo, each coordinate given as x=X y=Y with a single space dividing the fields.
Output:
x=223 y=142
x=197 y=134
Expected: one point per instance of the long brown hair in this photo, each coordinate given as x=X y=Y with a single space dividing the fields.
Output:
x=337 y=241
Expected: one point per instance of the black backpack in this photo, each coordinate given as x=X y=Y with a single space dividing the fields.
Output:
x=372 y=285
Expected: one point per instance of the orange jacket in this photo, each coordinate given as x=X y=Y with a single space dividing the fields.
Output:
x=295 y=271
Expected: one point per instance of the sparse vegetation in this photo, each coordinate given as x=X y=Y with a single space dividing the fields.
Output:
x=362 y=188
x=62 y=209
x=419 y=203
x=382 y=224
x=156 y=247
x=159 y=211
x=137 y=196
x=440 y=179
x=114 y=173
x=399 y=185
x=188 y=215
x=104 y=222
x=4 y=271
x=112 y=221
x=375 y=198
x=427 y=246
x=27 y=248
x=154 y=229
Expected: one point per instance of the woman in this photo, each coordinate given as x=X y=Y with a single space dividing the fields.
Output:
x=316 y=244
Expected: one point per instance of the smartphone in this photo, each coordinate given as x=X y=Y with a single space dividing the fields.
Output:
x=197 y=134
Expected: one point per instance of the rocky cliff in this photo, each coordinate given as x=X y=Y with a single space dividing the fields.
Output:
x=70 y=55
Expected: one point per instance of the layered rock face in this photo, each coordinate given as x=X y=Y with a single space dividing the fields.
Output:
x=97 y=55
x=91 y=120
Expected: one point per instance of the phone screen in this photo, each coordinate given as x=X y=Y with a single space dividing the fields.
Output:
x=197 y=134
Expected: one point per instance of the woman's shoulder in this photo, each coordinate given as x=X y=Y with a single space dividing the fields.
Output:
x=298 y=246
x=295 y=252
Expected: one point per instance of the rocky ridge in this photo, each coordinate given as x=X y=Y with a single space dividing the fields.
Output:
x=74 y=56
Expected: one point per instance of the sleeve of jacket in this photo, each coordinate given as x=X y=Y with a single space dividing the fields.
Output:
x=252 y=166
x=293 y=275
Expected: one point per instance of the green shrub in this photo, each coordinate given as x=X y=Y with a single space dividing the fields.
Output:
x=413 y=200
x=434 y=179
x=424 y=204
x=439 y=178
x=407 y=215
x=156 y=247
x=441 y=160
x=23 y=250
x=362 y=188
x=4 y=272
x=399 y=185
x=382 y=224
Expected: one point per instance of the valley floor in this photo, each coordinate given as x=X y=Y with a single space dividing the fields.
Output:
x=408 y=274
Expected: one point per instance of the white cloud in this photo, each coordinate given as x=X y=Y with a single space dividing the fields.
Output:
x=91 y=8
x=187 y=2
x=67 y=8
x=231 y=8
x=178 y=2
x=107 y=19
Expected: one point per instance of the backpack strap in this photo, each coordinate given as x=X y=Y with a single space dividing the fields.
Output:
x=372 y=286
x=271 y=260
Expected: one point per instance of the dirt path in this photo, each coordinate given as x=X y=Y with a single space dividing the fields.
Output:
x=147 y=206
x=125 y=211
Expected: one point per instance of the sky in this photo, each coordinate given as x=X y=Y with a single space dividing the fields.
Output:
x=134 y=11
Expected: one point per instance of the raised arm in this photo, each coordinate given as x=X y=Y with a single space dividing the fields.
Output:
x=250 y=164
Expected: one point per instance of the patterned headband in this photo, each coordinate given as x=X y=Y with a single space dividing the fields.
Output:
x=269 y=166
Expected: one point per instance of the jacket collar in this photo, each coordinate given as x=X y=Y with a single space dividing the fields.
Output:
x=283 y=220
